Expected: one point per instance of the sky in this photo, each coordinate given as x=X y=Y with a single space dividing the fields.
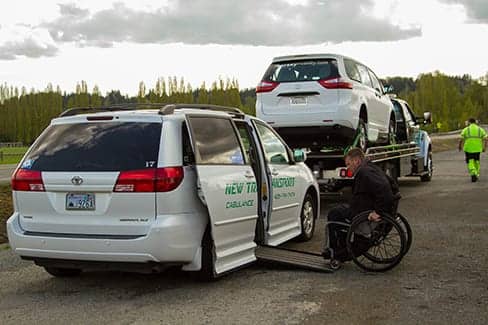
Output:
x=117 y=44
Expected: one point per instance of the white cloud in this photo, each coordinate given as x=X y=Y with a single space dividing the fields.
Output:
x=22 y=40
x=252 y=22
x=477 y=10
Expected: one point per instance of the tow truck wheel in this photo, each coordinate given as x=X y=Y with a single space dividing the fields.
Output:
x=429 y=168
x=307 y=218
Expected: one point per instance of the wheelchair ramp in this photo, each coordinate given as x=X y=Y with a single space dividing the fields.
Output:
x=294 y=258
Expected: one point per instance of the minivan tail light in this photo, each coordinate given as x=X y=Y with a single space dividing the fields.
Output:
x=27 y=180
x=149 y=180
x=266 y=86
x=168 y=178
x=335 y=83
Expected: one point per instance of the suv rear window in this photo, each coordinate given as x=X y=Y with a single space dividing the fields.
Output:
x=309 y=70
x=96 y=147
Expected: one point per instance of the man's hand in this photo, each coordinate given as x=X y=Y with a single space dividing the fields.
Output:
x=373 y=216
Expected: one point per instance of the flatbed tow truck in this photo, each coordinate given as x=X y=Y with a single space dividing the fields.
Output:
x=411 y=157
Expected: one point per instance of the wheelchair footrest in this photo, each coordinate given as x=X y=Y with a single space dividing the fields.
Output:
x=290 y=257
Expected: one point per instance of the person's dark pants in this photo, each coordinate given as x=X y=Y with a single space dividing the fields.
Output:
x=337 y=233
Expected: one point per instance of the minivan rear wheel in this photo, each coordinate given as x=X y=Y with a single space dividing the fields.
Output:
x=207 y=272
x=62 y=272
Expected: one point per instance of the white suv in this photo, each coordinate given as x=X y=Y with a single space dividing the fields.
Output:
x=325 y=100
x=191 y=185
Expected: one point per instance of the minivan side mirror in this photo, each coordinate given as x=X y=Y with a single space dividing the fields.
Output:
x=299 y=155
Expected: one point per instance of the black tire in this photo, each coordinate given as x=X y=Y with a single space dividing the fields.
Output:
x=368 y=243
x=362 y=141
x=429 y=168
x=403 y=222
x=392 y=138
x=62 y=272
x=308 y=216
x=207 y=272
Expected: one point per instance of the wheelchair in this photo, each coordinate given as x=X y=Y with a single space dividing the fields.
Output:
x=375 y=246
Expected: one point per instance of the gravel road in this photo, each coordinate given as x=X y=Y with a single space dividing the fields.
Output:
x=6 y=172
x=442 y=280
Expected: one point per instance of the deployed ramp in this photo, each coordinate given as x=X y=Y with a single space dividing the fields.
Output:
x=293 y=258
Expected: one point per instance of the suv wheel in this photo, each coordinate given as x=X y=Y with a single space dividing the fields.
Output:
x=62 y=272
x=362 y=136
x=391 y=132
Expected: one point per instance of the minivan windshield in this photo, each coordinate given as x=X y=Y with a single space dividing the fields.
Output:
x=303 y=70
x=95 y=146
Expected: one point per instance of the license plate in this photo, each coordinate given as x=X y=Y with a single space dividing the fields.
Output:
x=80 y=201
x=298 y=100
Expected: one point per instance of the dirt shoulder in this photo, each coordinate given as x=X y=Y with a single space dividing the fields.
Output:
x=5 y=209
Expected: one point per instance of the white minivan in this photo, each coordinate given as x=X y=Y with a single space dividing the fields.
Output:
x=325 y=100
x=198 y=186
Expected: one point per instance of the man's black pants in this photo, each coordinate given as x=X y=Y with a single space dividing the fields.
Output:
x=337 y=233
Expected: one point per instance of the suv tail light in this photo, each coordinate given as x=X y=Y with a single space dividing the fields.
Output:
x=345 y=172
x=266 y=86
x=149 y=180
x=335 y=83
x=27 y=180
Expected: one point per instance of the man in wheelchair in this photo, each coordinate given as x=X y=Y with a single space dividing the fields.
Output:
x=374 y=194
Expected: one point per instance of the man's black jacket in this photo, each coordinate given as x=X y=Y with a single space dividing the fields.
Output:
x=371 y=190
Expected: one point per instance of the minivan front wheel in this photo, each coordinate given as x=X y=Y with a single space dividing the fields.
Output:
x=307 y=218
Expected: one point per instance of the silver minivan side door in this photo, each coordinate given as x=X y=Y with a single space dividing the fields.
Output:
x=226 y=187
x=287 y=187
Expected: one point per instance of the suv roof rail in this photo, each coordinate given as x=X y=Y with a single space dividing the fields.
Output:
x=110 y=108
x=169 y=109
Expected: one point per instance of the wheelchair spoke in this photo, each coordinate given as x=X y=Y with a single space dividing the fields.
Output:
x=377 y=246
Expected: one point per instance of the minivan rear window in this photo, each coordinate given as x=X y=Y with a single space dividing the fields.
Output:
x=111 y=146
x=304 y=70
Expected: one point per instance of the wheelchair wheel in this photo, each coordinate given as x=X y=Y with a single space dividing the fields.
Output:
x=403 y=222
x=376 y=246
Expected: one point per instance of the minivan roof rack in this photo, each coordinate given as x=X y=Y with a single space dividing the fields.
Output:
x=164 y=109
x=169 y=109
x=110 y=108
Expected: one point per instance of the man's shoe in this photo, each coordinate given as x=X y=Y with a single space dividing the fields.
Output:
x=474 y=178
x=326 y=254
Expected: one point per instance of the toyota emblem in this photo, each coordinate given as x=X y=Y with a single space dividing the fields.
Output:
x=77 y=180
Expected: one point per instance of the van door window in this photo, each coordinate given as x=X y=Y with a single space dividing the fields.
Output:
x=376 y=83
x=274 y=150
x=216 y=141
x=363 y=72
x=352 y=70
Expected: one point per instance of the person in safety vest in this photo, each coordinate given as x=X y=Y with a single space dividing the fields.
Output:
x=473 y=142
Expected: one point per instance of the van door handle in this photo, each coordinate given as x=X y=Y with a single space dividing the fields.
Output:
x=274 y=172
x=248 y=174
